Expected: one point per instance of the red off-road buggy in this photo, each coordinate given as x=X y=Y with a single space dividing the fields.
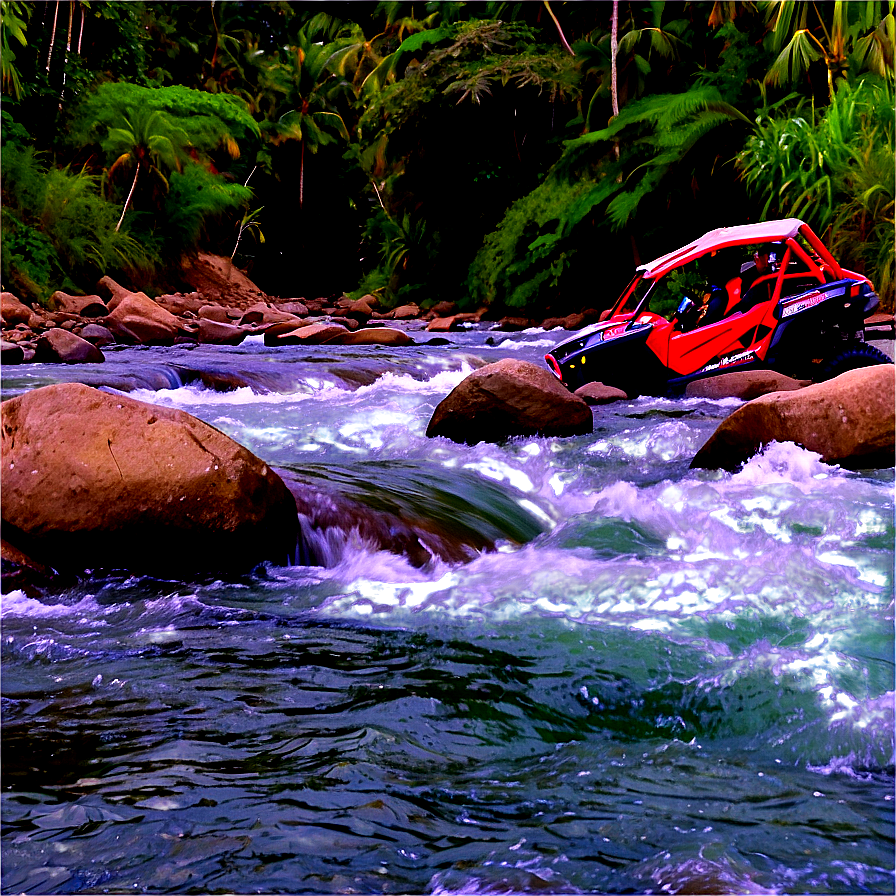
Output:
x=756 y=296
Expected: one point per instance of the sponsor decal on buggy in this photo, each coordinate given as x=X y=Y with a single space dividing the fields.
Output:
x=729 y=361
x=816 y=298
x=613 y=332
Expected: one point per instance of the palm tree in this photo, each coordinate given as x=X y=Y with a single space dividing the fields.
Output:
x=303 y=78
x=146 y=141
x=805 y=32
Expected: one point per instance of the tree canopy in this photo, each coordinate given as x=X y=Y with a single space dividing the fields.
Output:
x=518 y=155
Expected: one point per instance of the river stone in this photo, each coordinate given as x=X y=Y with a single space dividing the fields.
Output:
x=262 y=313
x=94 y=480
x=442 y=324
x=137 y=318
x=514 y=324
x=12 y=311
x=848 y=420
x=212 y=332
x=310 y=334
x=509 y=398
x=405 y=312
x=10 y=353
x=598 y=393
x=98 y=335
x=216 y=313
x=745 y=384
x=83 y=306
x=376 y=336
x=294 y=306
x=61 y=345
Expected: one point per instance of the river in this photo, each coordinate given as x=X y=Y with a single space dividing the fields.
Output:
x=658 y=681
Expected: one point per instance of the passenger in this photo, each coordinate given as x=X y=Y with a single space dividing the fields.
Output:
x=751 y=292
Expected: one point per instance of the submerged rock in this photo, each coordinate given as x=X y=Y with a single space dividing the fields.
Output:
x=598 y=393
x=745 y=384
x=93 y=480
x=848 y=420
x=509 y=398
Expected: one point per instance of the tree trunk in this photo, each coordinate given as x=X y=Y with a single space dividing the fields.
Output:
x=614 y=46
x=52 y=37
x=81 y=32
x=68 y=49
x=127 y=201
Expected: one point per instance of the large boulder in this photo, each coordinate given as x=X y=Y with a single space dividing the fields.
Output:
x=509 y=398
x=211 y=332
x=304 y=334
x=10 y=353
x=137 y=318
x=95 y=480
x=745 y=384
x=83 y=306
x=598 y=393
x=848 y=420
x=60 y=345
x=12 y=311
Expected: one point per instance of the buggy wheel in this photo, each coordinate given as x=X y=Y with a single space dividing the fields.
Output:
x=862 y=355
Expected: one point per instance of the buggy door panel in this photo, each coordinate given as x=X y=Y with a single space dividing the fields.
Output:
x=691 y=351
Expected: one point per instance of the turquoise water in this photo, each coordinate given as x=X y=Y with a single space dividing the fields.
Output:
x=640 y=679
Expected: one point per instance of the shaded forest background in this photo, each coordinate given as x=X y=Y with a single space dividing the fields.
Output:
x=517 y=155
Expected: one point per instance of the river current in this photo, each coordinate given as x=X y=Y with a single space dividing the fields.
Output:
x=657 y=681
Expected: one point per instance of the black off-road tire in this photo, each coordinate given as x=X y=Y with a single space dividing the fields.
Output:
x=861 y=355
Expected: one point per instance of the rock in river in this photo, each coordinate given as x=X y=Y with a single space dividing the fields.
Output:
x=509 y=398
x=94 y=480
x=848 y=420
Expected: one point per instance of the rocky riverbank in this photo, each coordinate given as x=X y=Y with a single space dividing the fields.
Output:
x=223 y=309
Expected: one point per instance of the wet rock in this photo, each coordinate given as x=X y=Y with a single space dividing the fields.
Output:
x=598 y=393
x=58 y=345
x=10 y=353
x=262 y=314
x=294 y=306
x=12 y=311
x=514 y=324
x=93 y=480
x=376 y=336
x=361 y=310
x=746 y=384
x=212 y=332
x=98 y=335
x=509 y=398
x=442 y=324
x=83 y=306
x=405 y=312
x=310 y=334
x=848 y=420
x=137 y=318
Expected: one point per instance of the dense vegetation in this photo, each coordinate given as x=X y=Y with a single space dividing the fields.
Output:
x=521 y=155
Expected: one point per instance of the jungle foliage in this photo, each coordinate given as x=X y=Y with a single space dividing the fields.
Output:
x=506 y=154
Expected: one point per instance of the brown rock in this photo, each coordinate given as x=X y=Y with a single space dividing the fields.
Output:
x=12 y=311
x=443 y=309
x=60 y=345
x=598 y=393
x=114 y=292
x=848 y=420
x=181 y=304
x=83 y=306
x=405 y=312
x=10 y=353
x=311 y=334
x=442 y=324
x=514 y=324
x=137 y=318
x=746 y=384
x=98 y=335
x=376 y=336
x=261 y=313
x=214 y=312
x=212 y=332
x=296 y=307
x=123 y=484
x=509 y=398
